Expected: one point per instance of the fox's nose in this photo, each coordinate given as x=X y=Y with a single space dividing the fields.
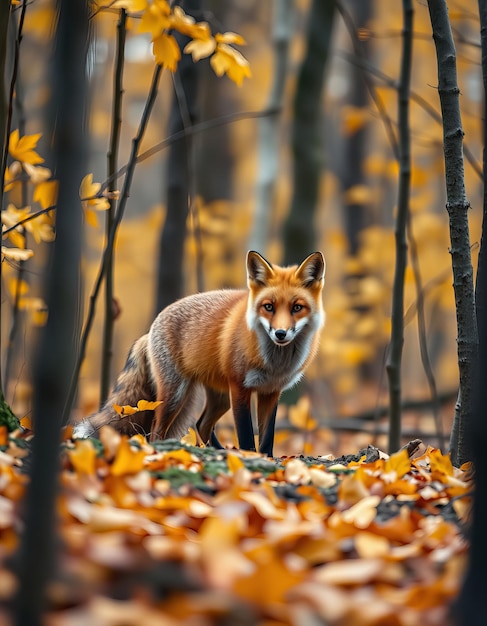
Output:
x=280 y=334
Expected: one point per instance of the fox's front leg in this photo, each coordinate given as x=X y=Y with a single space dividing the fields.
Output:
x=240 y=398
x=266 y=418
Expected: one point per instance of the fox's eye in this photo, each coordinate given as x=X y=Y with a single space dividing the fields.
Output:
x=296 y=308
x=268 y=306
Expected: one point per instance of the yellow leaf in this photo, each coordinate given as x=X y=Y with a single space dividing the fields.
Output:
x=36 y=173
x=17 y=239
x=234 y=462
x=166 y=51
x=230 y=37
x=145 y=405
x=131 y=5
x=227 y=60
x=441 y=463
x=17 y=287
x=12 y=174
x=11 y=216
x=40 y=230
x=22 y=148
x=190 y=438
x=186 y=25
x=399 y=463
x=91 y=218
x=155 y=18
x=88 y=193
x=128 y=459
x=125 y=410
x=200 y=48
x=300 y=416
x=83 y=457
x=181 y=456
x=16 y=254
x=45 y=193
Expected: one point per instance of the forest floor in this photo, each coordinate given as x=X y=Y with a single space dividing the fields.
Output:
x=169 y=533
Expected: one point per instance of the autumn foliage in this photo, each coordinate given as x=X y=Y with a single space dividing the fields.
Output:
x=172 y=532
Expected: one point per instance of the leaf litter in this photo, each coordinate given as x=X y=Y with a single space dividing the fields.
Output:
x=171 y=533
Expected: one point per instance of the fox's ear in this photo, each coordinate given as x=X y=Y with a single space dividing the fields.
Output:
x=312 y=269
x=258 y=269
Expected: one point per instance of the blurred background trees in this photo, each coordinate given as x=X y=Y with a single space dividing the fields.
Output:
x=191 y=213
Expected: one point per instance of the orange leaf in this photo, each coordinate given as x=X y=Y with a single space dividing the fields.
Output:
x=399 y=463
x=234 y=462
x=83 y=457
x=126 y=409
x=441 y=463
x=128 y=460
x=145 y=405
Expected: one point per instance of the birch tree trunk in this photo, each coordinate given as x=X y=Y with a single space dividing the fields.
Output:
x=457 y=207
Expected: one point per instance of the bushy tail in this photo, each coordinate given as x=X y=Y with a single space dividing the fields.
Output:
x=133 y=384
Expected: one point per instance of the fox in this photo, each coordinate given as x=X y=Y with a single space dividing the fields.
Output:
x=236 y=344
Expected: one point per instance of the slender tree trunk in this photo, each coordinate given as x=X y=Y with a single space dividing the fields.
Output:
x=57 y=349
x=5 y=6
x=269 y=127
x=397 y=332
x=457 y=207
x=471 y=608
x=299 y=231
x=108 y=326
x=170 y=280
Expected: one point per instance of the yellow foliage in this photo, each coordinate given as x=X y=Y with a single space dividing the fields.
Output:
x=22 y=148
x=227 y=60
x=91 y=201
x=166 y=51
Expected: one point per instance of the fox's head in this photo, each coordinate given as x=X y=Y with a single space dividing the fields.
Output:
x=284 y=301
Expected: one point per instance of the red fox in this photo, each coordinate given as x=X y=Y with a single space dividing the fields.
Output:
x=230 y=342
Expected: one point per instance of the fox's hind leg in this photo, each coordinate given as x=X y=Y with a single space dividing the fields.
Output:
x=177 y=412
x=217 y=404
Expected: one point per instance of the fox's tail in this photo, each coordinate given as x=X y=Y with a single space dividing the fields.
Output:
x=134 y=384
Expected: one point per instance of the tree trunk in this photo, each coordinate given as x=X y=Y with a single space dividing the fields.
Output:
x=457 y=207
x=471 y=609
x=57 y=349
x=356 y=213
x=397 y=331
x=299 y=231
x=269 y=127
x=170 y=280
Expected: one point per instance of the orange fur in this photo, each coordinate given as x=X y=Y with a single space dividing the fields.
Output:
x=231 y=342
